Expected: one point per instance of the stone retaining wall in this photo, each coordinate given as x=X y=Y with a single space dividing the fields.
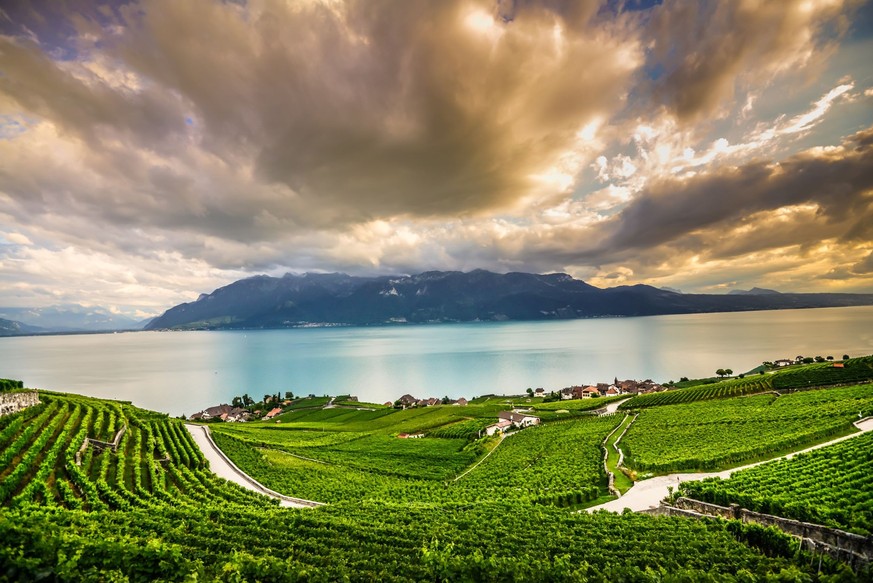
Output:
x=848 y=547
x=14 y=402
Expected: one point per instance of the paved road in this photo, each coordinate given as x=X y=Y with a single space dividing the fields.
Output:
x=647 y=494
x=613 y=407
x=222 y=467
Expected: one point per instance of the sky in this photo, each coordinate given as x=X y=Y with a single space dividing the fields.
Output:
x=151 y=151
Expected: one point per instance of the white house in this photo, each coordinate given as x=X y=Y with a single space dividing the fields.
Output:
x=518 y=419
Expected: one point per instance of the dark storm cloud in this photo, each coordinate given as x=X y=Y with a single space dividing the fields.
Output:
x=708 y=52
x=209 y=139
x=418 y=108
x=839 y=181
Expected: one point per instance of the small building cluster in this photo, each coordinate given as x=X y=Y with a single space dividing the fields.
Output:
x=223 y=412
x=626 y=387
x=408 y=402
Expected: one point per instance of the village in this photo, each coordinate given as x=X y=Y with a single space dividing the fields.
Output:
x=243 y=409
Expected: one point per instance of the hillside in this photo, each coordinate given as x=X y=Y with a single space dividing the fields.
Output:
x=15 y=328
x=437 y=296
x=68 y=318
x=101 y=490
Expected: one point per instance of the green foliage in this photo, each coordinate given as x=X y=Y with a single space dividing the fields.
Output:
x=559 y=459
x=38 y=462
x=10 y=385
x=701 y=392
x=707 y=435
x=374 y=542
x=151 y=509
x=854 y=371
x=829 y=486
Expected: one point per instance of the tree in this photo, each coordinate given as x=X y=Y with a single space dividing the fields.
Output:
x=289 y=395
x=829 y=357
x=845 y=357
x=267 y=398
x=237 y=402
x=529 y=392
x=720 y=372
x=728 y=372
x=819 y=359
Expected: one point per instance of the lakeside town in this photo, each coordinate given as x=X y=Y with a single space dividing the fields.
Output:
x=244 y=408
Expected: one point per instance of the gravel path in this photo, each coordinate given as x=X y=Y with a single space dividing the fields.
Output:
x=222 y=467
x=647 y=494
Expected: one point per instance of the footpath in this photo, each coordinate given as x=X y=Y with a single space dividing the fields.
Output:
x=222 y=467
x=647 y=494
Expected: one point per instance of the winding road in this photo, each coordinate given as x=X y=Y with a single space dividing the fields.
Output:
x=647 y=494
x=222 y=467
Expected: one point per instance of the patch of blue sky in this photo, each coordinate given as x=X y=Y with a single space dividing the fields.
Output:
x=11 y=126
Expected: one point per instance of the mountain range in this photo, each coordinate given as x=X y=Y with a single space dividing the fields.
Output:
x=451 y=296
x=62 y=319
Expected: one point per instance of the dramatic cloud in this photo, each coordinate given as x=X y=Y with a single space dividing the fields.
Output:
x=150 y=151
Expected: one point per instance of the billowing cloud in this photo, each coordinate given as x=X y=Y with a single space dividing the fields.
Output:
x=708 y=53
x=173 y=147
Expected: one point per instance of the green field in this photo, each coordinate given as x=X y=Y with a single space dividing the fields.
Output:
x=558 y=463
x=451 y=506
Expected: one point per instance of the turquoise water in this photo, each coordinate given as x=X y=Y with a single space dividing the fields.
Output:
x=183 y=372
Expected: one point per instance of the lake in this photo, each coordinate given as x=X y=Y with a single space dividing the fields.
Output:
x=184 y=372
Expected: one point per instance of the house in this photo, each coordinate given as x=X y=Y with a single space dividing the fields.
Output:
x=784 y=362
x=432 y=401
x=540 y=392
x=407 y=401
x=216 y=411
x=838 y=365
x=273 y=412
x=462 y=402
x=500 y=426
x=389 y=404
x=589 y=392
x=612 y=391
x=410 y=435
x=517 y=419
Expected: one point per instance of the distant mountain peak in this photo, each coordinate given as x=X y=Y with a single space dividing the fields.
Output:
x=755 y=291
x=70 y=318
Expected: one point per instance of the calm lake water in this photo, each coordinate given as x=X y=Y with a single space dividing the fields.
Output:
x=183 y=372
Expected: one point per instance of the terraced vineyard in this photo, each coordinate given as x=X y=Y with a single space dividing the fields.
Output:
x=44 y=462
x=707 y=435
x=854 y=370
x=143 y=506
x=720 y=390
x=354 y=542
x=829 y=486
x=526 y=466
